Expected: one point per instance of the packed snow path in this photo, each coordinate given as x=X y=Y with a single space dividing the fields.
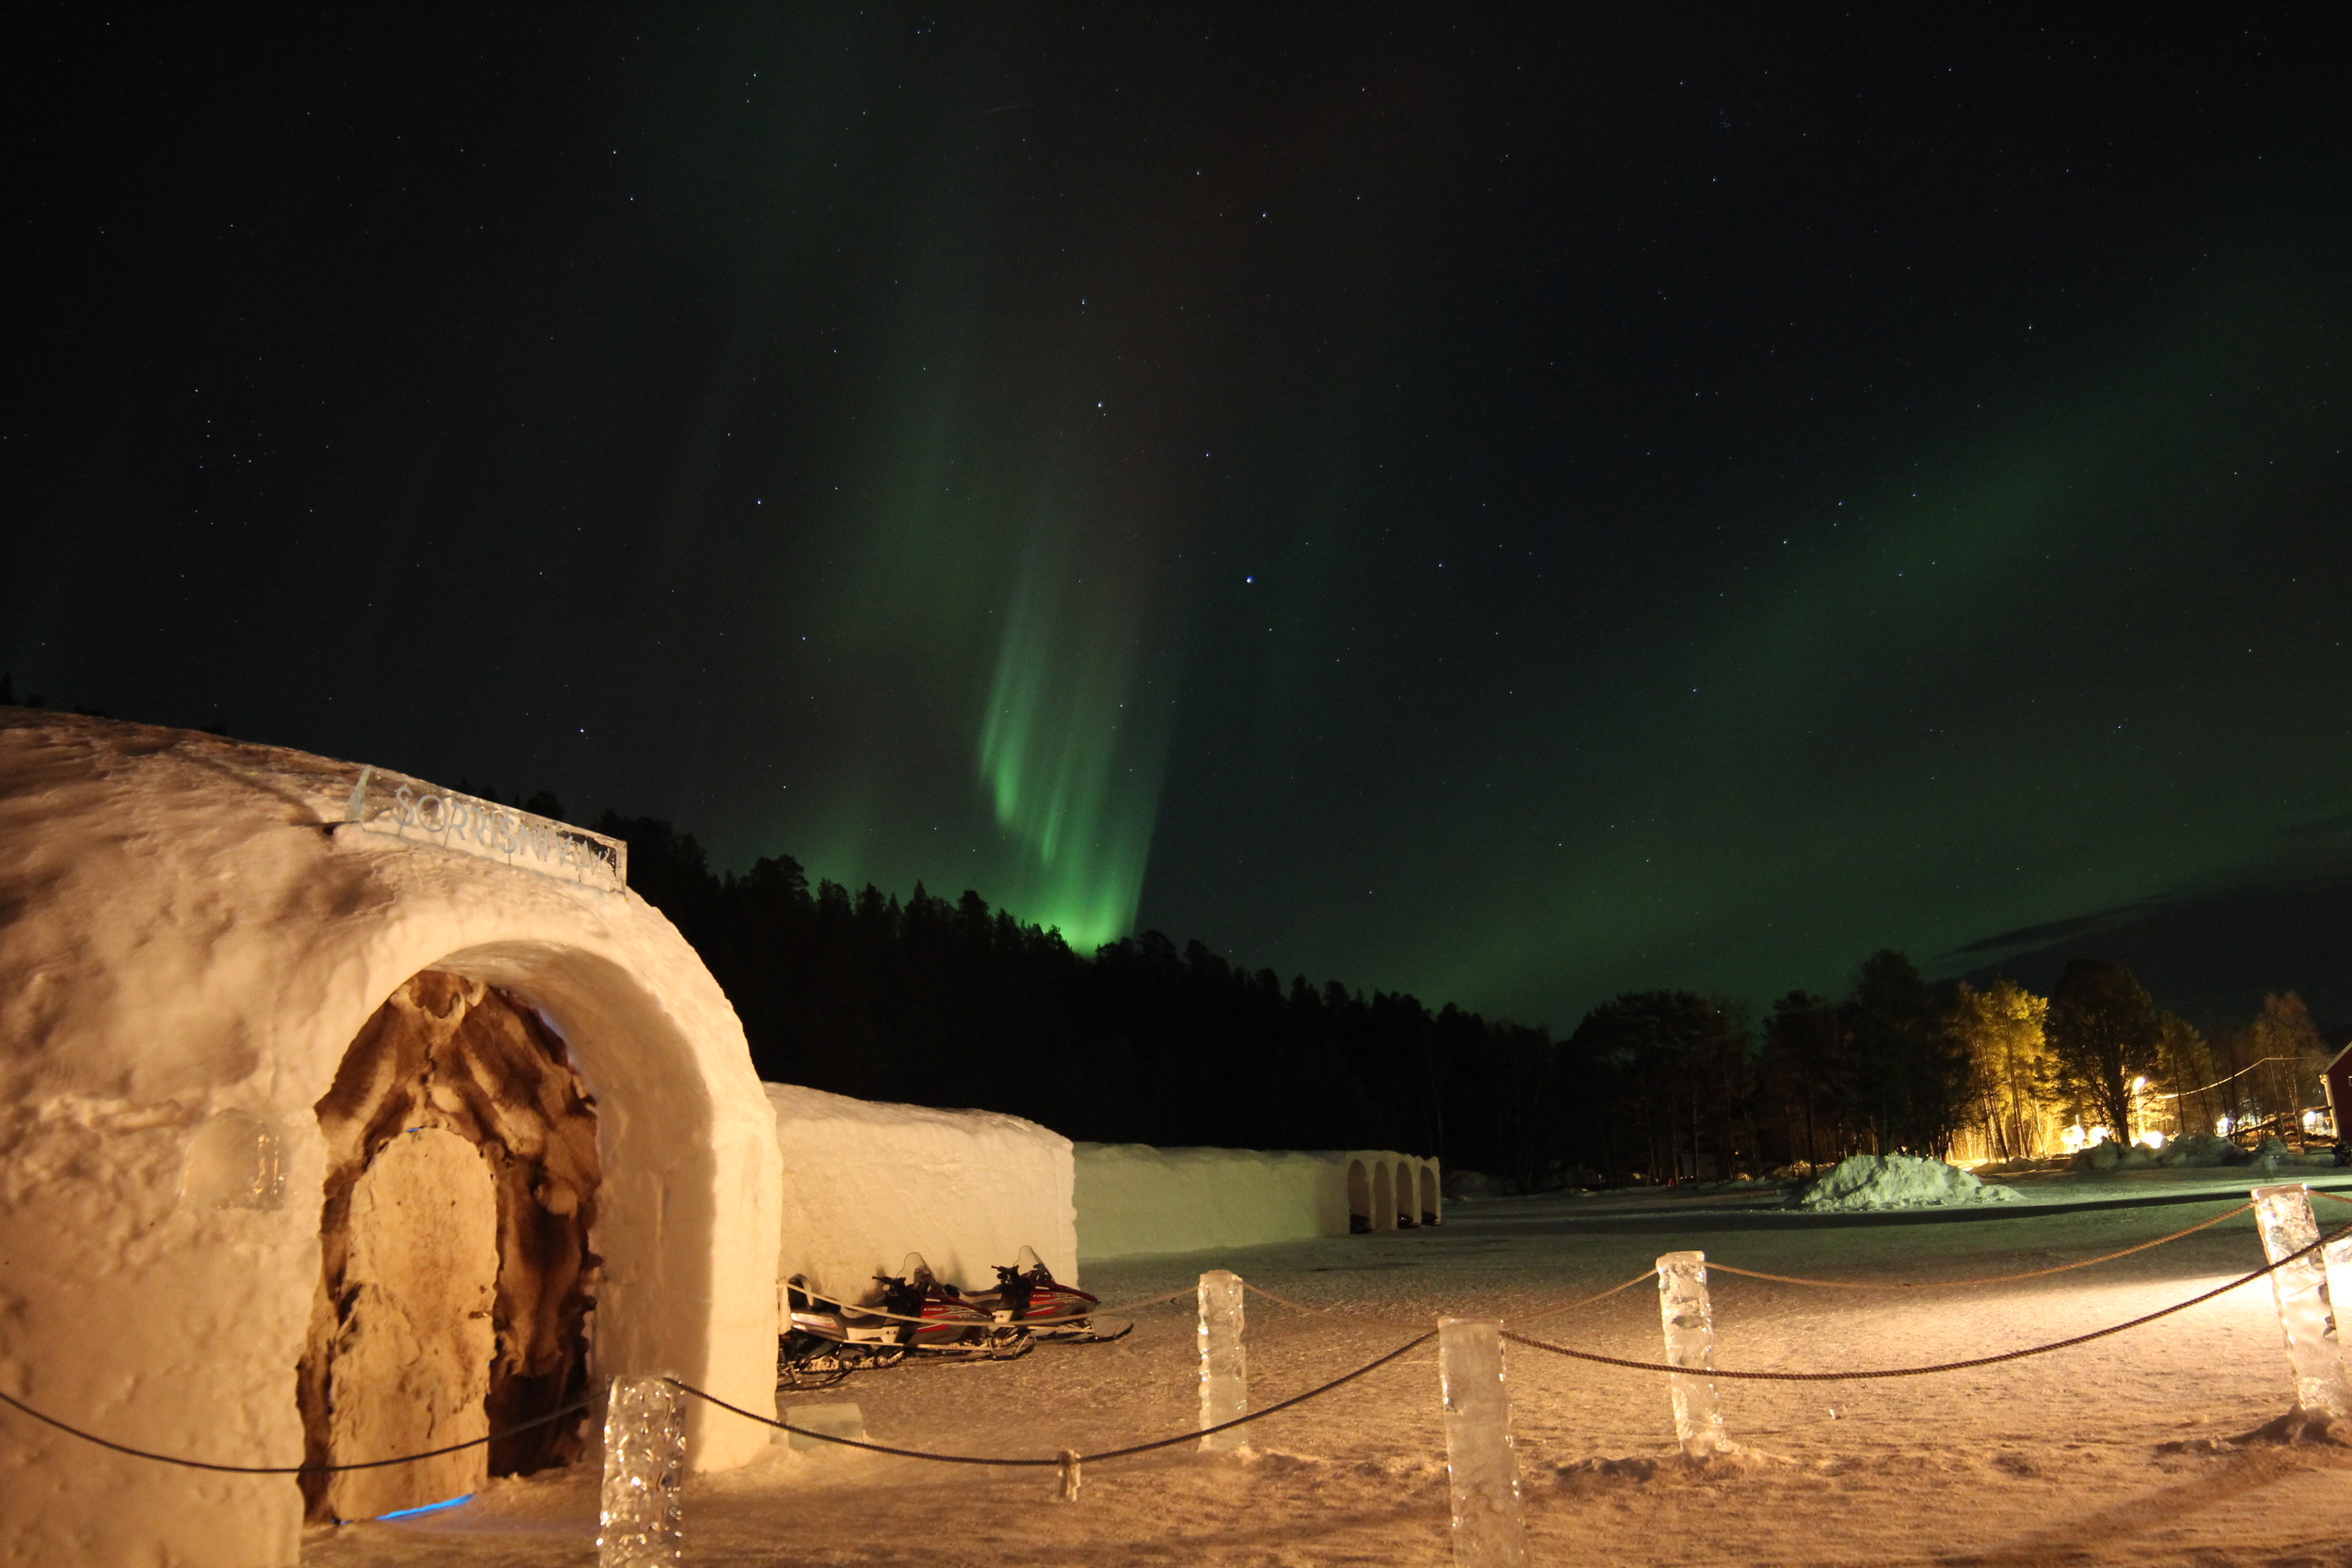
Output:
x=2107 y=1453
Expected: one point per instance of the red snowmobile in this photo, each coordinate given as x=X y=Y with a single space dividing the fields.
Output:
x=1029 y=1294
x=826 y=1341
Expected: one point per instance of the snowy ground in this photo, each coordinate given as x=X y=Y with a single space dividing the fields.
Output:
x=2106 y=1453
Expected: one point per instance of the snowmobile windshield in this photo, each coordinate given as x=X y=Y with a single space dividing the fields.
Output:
x=914 y=1271
x=1028 y=1262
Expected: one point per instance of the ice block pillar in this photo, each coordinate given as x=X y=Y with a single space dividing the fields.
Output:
x=2337 y=1256
x=2288 y=1226
x=644 y=1450
x=1224 y=1361
x=1690 y=1321
x=1490 y=1529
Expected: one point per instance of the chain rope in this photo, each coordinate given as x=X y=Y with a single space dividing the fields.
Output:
x=1613 y=1290
x=1940 y=1366
x=1988 y=1279
x=1066 y=1458
x=572 y=1409
x=1393 y=1322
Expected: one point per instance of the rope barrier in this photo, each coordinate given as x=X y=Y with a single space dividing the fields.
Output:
x=572 y=1409
x=1613 y=1290
x=1065 y=1457
x=1147 y=1301
x=1393 y=1322
x=1988 y=1279
x=1364 y=1317
x=1941 y=1367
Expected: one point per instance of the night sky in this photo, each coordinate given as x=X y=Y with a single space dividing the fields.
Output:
x=1513 y=508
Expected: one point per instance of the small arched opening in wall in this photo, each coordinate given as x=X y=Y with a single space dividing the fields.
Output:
x=1359 y=1198
x=1383 y=1196
x=1431 y=1196
x=1408 y=1196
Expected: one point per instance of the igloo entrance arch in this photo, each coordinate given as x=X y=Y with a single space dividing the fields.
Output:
x=195 y=938
x=455 y=1236
x=1360 y=1213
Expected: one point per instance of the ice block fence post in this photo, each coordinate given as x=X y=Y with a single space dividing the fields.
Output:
x=2337 y=1258
x=2284 y=1215
x=1689 y=1322
x=1224 y=1361
x=644 y=1450
x=1481 y=1469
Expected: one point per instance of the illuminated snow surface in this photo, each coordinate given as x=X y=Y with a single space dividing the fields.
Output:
x=2112 y=1452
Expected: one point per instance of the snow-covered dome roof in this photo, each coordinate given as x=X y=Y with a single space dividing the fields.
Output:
x=191 y=934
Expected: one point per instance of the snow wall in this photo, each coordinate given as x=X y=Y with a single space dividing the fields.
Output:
x=866 y=1183
x=1134 y=1198
x=190 y=939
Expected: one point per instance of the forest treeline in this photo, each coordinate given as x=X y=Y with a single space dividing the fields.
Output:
x=954 y=1004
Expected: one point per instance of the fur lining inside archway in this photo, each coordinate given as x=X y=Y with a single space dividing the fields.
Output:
x=452 y=1054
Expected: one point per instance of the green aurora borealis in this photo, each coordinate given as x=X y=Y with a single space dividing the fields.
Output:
x=1513 y=511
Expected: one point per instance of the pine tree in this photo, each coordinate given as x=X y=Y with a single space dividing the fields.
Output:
x=2012 y=1076
x=2103 y=1032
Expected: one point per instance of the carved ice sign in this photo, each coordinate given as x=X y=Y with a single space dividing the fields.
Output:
x=404 y=808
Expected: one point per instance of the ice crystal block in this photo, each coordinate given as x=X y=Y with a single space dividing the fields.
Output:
x=2337 y=1256
x=1689 y=1322
x=1489 y=1530
x=233 y=1161
x=834 y=1420
x=644 y=1450
x=1224 y=1361
x=2300 y=1288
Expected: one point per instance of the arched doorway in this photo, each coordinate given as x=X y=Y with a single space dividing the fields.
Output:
x=457 y=1277
x=1407 y=1198
x=1383 y=1196
x=1359 y=1199
x=1430 y=1197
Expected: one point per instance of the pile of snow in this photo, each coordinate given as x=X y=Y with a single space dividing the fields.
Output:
x=1896 y=1181
x=2107 y=1154
x=2201 y=1148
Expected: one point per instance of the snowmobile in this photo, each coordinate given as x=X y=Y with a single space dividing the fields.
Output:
x=1029 y=1294
x=826 y=1341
